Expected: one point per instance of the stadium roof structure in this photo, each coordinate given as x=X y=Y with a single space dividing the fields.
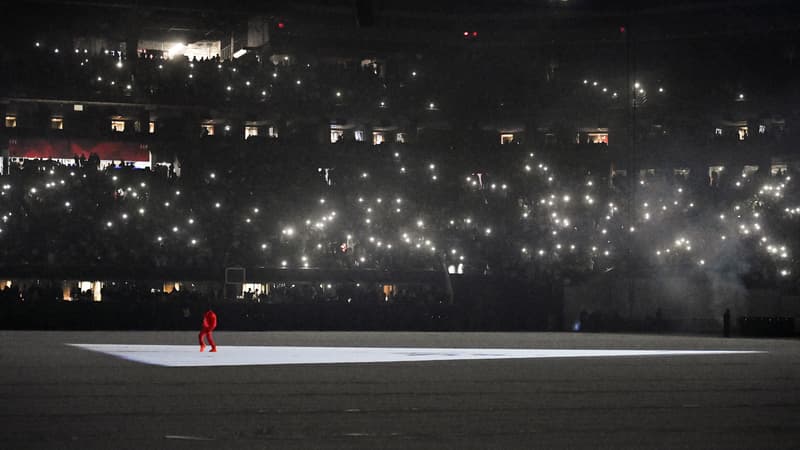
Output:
x=500 y=22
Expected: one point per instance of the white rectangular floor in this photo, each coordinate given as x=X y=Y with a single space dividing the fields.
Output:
x=190 y=356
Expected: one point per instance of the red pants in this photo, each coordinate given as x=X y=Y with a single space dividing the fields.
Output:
x=207 y=334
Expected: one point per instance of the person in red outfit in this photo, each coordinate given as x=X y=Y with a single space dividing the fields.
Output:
x=209 y=323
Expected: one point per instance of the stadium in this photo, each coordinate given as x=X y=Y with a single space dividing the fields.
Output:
x=418 y=190
x=153 y=153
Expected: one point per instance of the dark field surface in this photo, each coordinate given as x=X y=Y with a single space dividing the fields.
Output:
x=56 y=396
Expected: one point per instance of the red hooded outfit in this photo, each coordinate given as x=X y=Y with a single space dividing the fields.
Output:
x=209 y=324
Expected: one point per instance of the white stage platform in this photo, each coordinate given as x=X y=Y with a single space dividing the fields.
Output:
x=190 y=356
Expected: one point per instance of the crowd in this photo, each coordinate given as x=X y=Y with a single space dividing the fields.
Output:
x=396 y=208
x=283 y=204
x=50 y=71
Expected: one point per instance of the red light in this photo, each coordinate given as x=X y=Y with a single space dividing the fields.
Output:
x=621 y=29
x=281 y=25
x=474 y=34
x=466 y=33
